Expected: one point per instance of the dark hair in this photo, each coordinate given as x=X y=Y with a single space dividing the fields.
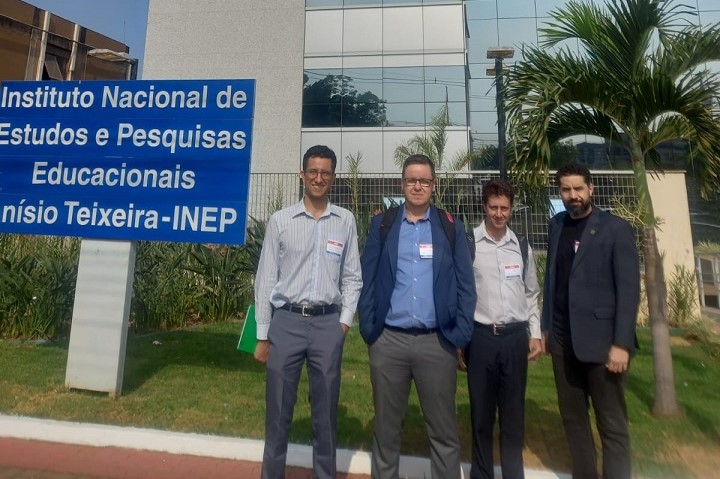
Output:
x=497 y=187
x=573 y=169
x=418 y=160
x=320 y=151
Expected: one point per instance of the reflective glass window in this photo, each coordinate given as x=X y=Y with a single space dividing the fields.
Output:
x=356 y=113
x=483 y=34
x=484 y=121
x=516 y=8
x=481 y=139
x=322 y=86
x=708 y=5
x=516 y=31
x=709 y=18
x=481 y=9
x=365 y=84
x=363 y=3
x=401 y=2
x=445 y=83
x=323 y=3
x=405 y=114
x=544 y=7
x=403 y=85
x=321 y=115
x=456 y=112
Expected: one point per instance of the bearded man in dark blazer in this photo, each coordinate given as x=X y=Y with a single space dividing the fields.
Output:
x=592 y=291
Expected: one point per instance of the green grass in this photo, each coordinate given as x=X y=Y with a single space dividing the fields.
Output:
x=195 y=381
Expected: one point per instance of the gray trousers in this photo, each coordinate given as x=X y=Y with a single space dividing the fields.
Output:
x=295 y=340
x=396 y=359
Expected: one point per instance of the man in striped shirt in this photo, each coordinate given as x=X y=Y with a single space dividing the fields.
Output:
x=306 y=291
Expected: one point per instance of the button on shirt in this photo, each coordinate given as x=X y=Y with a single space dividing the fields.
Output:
x=412 y=304
x=308 y=261
x=503 y=296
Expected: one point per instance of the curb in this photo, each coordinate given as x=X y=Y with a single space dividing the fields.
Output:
x=219 y=447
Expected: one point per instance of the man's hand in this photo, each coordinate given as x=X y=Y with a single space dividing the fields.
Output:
x=618 y=359
x=536 y=349
x=544 y=342
x=462 y=366
x=345 y=327
x=262 y=351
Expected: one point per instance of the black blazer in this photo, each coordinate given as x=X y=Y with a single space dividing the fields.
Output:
x=604 y=289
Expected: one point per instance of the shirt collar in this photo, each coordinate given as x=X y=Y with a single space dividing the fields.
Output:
x=508 y=236
x=404 y=214
x=300 y=209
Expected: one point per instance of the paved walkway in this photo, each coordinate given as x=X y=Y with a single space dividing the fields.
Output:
x=28 y=459
x=33 y=448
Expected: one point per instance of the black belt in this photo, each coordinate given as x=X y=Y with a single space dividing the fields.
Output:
x=309 y=310
x=413 y=331
x=502 y=329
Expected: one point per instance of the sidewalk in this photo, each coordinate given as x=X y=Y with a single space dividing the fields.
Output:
x=45 y=449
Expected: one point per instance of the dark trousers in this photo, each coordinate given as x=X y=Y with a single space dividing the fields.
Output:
x=497 y=376
x=295 y=340
x=397 y=359
x=577 y=383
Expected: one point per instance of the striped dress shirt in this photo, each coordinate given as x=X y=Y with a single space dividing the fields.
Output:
x=308 y=261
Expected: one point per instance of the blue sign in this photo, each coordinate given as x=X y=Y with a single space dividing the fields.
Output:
x=165 y=160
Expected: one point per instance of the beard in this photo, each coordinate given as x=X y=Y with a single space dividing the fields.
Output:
x=578 y=210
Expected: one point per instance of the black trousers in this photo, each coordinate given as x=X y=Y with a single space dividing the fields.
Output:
x=577 y=383
x=497 y=377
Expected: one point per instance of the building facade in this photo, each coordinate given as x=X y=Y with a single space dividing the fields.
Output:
x=37 y=45
x=359 y=75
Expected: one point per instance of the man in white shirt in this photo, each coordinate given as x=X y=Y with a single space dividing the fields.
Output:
x=306 y=290
x=506 y=335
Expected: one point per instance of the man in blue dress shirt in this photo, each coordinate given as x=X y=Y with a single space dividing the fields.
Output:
x=416 y=313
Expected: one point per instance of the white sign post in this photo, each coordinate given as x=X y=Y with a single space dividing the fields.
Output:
x=96 y=356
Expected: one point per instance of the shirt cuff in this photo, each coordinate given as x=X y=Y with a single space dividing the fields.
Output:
x=346 y=317
x=262 y=331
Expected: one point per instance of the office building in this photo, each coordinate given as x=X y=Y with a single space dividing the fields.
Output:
x=358 y=75
x=35 y=44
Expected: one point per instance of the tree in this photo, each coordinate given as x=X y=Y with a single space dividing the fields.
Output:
x=334 y=101
x=640 y=80
x=432 y=145
x=560 y=153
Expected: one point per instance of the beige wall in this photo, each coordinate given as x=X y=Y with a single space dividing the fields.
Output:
x=260 y=39
x=669 y=196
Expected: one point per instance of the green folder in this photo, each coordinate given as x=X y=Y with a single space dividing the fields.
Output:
x=248 y=336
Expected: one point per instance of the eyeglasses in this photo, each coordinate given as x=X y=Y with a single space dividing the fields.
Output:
x=424 y=182
x=312 y=174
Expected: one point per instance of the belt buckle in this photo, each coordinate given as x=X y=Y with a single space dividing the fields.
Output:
x=497 y=329
x=303 y=311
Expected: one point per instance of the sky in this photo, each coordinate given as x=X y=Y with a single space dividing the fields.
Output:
x=122 y=20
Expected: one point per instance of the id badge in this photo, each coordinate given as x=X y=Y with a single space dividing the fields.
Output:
x=513 y=271
x=334 y=247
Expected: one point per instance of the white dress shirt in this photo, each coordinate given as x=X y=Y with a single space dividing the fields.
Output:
x=503 y=296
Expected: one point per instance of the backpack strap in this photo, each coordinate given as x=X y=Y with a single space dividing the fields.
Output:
x=523 y=252
x=448 y=222
x=386 y=222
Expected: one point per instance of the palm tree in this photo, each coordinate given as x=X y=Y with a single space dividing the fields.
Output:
x=433 y=146
x=639 y=80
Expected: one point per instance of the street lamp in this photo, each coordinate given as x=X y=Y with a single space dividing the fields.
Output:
x=113 y=56
x=499 y=54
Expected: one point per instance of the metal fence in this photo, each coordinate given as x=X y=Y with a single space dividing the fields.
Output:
x=458 y=192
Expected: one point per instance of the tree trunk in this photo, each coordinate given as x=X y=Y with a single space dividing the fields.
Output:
x=665 y=397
